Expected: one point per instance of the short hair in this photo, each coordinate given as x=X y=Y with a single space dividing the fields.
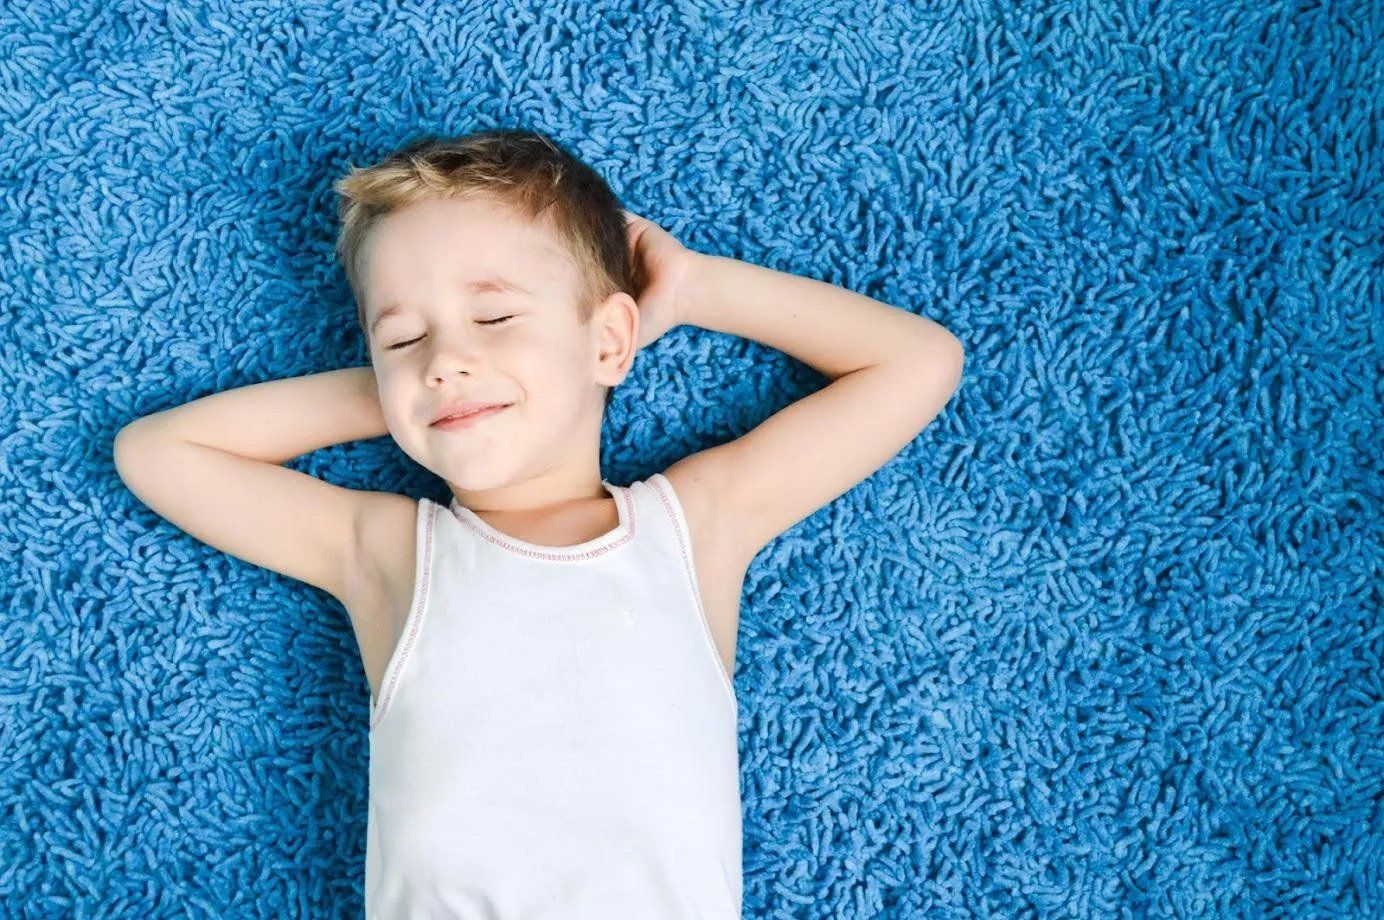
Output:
x=525 y=170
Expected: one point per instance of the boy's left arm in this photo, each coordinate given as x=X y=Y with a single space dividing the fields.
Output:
x=892 y=372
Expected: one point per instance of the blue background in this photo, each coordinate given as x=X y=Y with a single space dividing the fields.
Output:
x=1104 y=641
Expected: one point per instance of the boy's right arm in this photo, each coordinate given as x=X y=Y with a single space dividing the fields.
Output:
x=213 y=468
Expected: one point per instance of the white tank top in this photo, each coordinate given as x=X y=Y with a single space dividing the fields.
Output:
x=555 y=735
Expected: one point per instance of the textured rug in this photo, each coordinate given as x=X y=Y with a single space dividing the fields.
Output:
x=1104 y=641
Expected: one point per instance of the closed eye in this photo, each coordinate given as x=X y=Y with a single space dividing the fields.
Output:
x=483 y=322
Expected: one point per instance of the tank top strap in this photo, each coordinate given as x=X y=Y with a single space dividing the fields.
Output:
x=666 y=540
x=660 y=516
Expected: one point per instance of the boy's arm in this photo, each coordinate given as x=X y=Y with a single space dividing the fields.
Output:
x=892 y=372
x=212 y=467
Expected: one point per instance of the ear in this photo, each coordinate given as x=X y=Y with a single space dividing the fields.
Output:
x=615 y=337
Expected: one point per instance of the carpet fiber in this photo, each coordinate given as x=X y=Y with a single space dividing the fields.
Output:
x=1104 y=641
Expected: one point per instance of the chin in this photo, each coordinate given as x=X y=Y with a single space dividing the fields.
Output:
x=470 y=478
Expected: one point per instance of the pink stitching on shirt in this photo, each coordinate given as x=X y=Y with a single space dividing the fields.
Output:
x=417 y=613
x=621 y=494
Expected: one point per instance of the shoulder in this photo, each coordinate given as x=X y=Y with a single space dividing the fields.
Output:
x=385 y=554
x=380 y=584
x=700 y=481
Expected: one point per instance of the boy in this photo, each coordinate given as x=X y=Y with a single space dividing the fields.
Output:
x=550 y=656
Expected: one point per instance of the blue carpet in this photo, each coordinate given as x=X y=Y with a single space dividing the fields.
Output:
x=1104 y=641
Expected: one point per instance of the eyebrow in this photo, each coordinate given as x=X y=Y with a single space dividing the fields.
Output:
x=492 y=284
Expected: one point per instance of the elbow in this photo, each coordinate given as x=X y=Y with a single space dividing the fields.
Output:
x=127 y=448
x=952 y=354
x=121 y=449
x=957 y=350
x=954 y=360
x=942 y=346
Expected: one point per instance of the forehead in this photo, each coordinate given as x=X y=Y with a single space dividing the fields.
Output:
x=466 y=247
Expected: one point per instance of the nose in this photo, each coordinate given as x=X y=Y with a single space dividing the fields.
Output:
x=452 y=353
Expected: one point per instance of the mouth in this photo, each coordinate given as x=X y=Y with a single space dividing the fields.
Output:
x=469 y=418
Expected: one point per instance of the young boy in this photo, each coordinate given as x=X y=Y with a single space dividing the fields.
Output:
x=549 y=656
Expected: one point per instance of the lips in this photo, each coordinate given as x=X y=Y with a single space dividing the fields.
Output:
x=464 y=410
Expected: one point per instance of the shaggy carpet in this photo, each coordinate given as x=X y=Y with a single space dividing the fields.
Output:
x=1104 y=641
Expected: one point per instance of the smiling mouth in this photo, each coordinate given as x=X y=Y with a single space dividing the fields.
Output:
x=464 y=421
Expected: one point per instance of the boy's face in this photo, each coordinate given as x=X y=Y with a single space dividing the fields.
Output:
x=442 y=343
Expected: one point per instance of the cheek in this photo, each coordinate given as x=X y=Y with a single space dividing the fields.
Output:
x=396 y=404
x=547 y=371
x=561 y=350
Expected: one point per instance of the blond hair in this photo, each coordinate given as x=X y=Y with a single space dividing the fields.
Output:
x=524 y=170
